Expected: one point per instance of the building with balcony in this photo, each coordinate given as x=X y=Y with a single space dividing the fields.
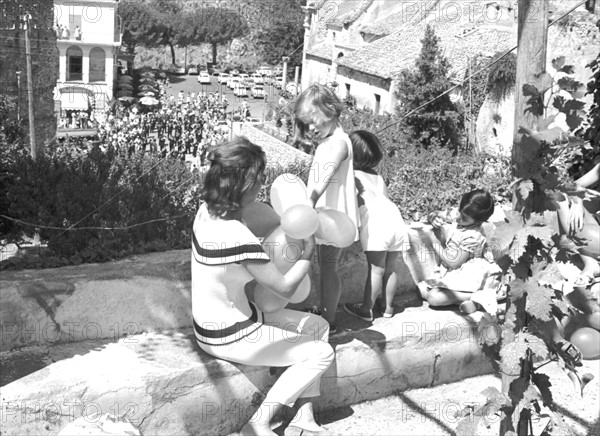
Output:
x=88 y=39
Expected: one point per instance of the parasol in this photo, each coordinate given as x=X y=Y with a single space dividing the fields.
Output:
x=149 y=101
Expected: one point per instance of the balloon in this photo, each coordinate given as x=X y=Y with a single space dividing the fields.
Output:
x=267 y=300
x=287 y=190
x=335 y=227
x=593 y=320
x=588 y=341
x=260 y=218
x=302 y=291
x=283 y=250
x=300 y=221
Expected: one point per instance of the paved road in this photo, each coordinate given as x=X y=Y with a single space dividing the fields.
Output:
x=190 y=84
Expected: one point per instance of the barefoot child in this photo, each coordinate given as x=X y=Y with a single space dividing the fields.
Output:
x=331 y=181
x=226 y=256
x=466 y=265
x=382 y=229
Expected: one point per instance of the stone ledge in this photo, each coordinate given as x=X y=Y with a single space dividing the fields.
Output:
x=171 y=387
x=42 y=308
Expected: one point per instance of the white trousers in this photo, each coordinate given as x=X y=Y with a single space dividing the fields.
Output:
x=286 y=338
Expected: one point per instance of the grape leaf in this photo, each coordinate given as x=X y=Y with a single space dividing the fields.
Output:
x=558 y=63
x=542 y=381
x=517 y=289
x=535 y=103
x=511 y=355
x=539 y=301
x=524 y=188
x=518 y=387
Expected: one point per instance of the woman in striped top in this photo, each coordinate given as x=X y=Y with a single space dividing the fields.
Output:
x=226 y=257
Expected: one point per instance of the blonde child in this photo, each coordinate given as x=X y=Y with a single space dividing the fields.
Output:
x=226 y=257
x=467 y=271
x=382 y=229
x=331 y=181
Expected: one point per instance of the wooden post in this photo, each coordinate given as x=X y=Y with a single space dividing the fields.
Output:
x=531 y=62
x=26 y=19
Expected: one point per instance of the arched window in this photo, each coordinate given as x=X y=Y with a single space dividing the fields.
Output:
x=97 y=65
x=74 y=63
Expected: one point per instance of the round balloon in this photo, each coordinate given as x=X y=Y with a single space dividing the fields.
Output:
x=260 y=218
x=588 y=341
x=302 y=291
x=267 y=301
x=300 y=221
x=593 y=320
x=335 y=228
x=286 y=191
x=283 y=250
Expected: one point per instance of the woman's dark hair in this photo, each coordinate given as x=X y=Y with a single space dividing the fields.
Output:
x=477 y=204
x=366 y=149
x=235 y=168
x=316 y=101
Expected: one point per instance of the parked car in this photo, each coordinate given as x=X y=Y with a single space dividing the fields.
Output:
x=258 y=92
x=278 y=81
x=264 y=70
x=223 y=78
x=204 y=78
x=216 y=70
x=193 y=71
x=233 y=79
x=244 y=77
x=240 y=90
x=174 y=69
x=258 y=79
x=234 y=72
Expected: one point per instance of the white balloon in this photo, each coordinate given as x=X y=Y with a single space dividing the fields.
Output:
x=287 y=190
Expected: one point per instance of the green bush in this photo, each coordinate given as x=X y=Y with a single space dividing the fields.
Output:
x=101 y=205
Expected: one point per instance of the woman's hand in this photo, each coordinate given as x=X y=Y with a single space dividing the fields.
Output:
x=309 y=248
x=436 y=219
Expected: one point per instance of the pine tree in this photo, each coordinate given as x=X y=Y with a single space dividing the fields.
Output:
x=437 y=123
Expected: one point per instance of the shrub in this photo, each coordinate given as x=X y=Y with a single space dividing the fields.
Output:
x=102 y=205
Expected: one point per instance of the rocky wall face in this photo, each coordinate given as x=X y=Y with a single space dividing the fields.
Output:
x=44 y=60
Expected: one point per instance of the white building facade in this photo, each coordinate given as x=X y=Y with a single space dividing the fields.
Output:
x=88 y=40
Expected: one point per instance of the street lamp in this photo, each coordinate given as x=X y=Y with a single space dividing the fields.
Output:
x=18 y=96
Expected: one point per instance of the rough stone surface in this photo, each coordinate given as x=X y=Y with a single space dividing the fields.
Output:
x=166 y=385
x=144 y=293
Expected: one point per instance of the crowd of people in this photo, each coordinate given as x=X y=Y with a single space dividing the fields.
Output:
x=176 y=125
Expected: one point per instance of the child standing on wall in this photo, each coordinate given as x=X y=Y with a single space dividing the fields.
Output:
x=331 y=181
x=467 y=276
x=382 y=229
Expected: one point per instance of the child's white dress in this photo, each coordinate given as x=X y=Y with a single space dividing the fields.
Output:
x=381 y=225
x=480 y=275
x=341 y=191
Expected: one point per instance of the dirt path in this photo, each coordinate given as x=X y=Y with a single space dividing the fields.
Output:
x=432 y=412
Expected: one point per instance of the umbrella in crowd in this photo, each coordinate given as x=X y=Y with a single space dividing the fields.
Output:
x=124 y=93
x=146 y=94
x=162 y=74
x=125 y=78
x=148 y=81
x=148 y=74
x=149 y=101
x=147 y=88
x=127 y=99
x=125 y=86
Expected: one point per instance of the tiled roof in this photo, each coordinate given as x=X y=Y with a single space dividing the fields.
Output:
x=345 y=11
x=388 y=56
x=395 y=21
x=322 y=49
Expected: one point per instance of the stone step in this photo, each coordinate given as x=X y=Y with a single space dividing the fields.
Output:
x=166 y=385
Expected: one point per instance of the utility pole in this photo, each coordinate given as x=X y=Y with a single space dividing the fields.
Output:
x=26 y=18
x=531 y=64
x=19 y=96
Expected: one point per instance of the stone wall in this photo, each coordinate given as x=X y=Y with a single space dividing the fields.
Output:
x=44 y=57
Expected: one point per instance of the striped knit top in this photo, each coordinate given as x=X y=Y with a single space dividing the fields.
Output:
x=221 y=311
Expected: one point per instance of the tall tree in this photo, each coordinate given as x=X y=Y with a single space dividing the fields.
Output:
x=282 y=33
x=437 y=123
x=154 y=24
x=213 y=26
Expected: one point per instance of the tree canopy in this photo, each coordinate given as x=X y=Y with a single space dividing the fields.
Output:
x=437 y=123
